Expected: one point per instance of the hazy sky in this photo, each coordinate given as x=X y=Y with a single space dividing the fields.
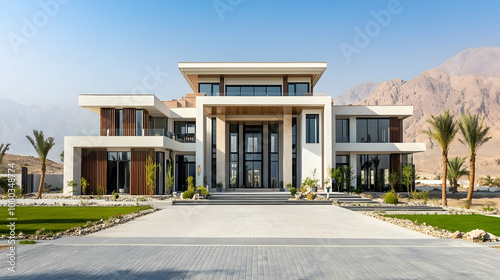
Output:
x=52 y=50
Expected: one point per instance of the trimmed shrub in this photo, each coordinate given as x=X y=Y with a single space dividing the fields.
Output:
x=188 y=194
x=293 y=191
x=203 y=190
x=310 y=196
x=390 y=198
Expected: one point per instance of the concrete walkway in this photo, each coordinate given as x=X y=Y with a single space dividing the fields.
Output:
x=255 y=242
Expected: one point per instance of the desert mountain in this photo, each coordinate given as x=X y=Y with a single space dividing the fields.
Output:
x=55 y=120
x=357 y=93
x=32 y=163
x=466 y=83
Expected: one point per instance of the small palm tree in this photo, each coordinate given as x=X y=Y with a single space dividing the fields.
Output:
x=443 y=130
x=42 y=147
x=3 y=150
x=455 y=171
x=474 y=136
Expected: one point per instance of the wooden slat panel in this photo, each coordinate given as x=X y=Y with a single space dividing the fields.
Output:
x=222 y=88
x=285 y=86
x=396 y=130
x=129 y=122
x=94 y=168
x=107 y=121
x=138 y=170
x=145 y=122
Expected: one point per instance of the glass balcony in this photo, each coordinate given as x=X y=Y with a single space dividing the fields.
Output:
x=183 y=138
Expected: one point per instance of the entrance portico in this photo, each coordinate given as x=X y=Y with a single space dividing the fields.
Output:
x=247 y=143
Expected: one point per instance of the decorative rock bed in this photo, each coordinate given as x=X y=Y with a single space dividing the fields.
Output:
x=88 y=228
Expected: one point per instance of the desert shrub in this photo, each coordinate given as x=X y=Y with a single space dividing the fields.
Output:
x=47 y=188
x=18 y=191
x=100 y=190
x=203 y=190
x=304 y=188
x=310 y=196
x=188 y=194
x=420 y=195
x=190 y=182
x=390 y=198
x=293 y=191
x=84 y=183
x=115 y=195
x=490 y=206
x=358 y=190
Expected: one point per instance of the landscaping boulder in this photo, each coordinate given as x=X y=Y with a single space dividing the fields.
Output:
x=490 y=237
x=298 y=195
x=457 y=235
x=476 y=235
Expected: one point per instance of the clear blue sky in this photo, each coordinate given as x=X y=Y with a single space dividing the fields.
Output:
x=107 y=46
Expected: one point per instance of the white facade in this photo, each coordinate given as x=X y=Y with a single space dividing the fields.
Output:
x=277 y=136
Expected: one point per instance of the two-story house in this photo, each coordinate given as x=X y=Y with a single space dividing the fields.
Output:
x=246 y=125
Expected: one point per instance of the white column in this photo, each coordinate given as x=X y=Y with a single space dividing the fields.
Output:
x=328 y=151
x=200 y=147
x=221 y=150
x=352 y=129
x=354 y=166
x=287 y=149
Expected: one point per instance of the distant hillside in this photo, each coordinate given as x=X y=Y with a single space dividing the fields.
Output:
x=32 y=163
x=55 y=120
x=472 y=87
x=357 y=93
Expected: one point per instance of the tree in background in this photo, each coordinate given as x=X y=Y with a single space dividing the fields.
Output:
x=455 y=171
x=407 y=175
x=474 y=136
x=3 y=150
x=42 y=147
x=443 y=130
x=393 y=179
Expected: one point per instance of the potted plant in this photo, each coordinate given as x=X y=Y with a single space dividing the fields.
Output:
x=325 y=184
x=219 y=186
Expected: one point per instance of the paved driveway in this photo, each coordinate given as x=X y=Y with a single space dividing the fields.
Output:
x=255 y=242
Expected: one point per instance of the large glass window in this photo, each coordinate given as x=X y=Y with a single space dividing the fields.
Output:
x=118 y=172
x=373 y=172
x=342 y=130
x=253 y=156
x=185 y=167
x=274 y=156
x=233 y=155
x=298 y=89
x=294 y=152
x=185 y=131
x=253 y=90
x=214 y=152
x=138 y=122
x=372 y=130
x=312 y=128
x=210 y=89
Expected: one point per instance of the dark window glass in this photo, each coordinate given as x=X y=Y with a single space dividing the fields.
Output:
x=214 y=152
x=260 y=91
x=383 y=129
x=138 y=122
x=312 y=128
x=294 y=152
x=372 y=130
x=118 y=176
x=373 y=172
x=210 y=89
x=361 y=130
x=342 y=131
x=118 y=122
x=233 y=91
x=185 y=131
x=274 y=91
x=233 y=155
x=246 y=91
x=298 y=89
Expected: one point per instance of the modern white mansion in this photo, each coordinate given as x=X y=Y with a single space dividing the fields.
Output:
x=246 y=125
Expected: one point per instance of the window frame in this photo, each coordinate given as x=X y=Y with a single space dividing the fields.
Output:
x=308 y=128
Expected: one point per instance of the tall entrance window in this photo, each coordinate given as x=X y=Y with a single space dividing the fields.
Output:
x=160 y=173
x=373 y=172
x=294 y=152
x=118 y=172
x=214 y=152
x=253 y=156
x=274 y=156
x=185 y=167
x=138 y=122
x=233 y=156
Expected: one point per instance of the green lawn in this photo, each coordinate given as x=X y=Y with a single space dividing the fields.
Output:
x=463 y=223
x=57 y=219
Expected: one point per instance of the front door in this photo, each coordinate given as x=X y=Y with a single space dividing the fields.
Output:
x=253 y=156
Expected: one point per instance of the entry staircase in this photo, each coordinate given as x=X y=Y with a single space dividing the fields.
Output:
x=355 y=202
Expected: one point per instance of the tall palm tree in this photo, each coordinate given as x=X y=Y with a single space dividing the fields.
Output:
x=42 y=147
x=443 y=130
x=3 y=150
x=455 y=171
x=474 y=136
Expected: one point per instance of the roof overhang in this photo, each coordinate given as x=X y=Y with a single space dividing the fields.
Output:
x=191 y=70
x=93 y=103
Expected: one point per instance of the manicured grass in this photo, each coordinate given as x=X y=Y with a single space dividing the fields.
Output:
x=463 y=223
x=57 y=219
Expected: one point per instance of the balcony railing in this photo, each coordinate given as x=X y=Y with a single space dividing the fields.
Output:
x=183 y=138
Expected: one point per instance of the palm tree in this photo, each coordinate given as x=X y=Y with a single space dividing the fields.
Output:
x=3 y=150
x=42 y=147
x=474 y=136
x=455 y=171
x=443 y=130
